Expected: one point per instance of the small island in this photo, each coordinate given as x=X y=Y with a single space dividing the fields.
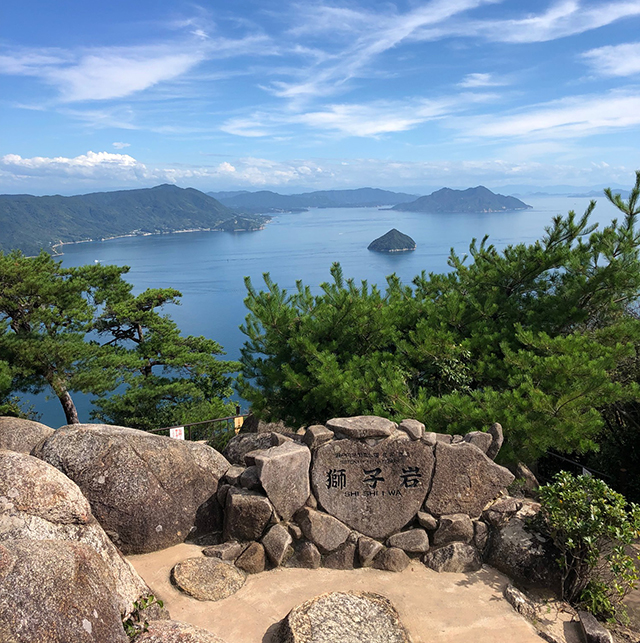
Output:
x=393 y=241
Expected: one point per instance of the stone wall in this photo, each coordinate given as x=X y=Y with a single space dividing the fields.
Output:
x=360 y=491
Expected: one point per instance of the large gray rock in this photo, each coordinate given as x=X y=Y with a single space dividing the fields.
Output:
x=362 y=426
x=523 y=555
x=148 y=492
x=391 y=560
x=413 y=428
x=39 y=503
x=306 y=556
x=21 y=435
x=176 y=632
x=207 y=579
x=325 y=531
x=53 y=591
x=368 y=549
x=592 y=629
x=454 y=557
x=375 y=489
x=252 y=560
x=479 y=439
x=244 y=443
x=414 y=541
x=316 y=435
x=344 y=617
x=342 y=558
x=453 y=527
x=246 y=515
x=284 y=475
x=277 y=544
x=229 y=550
x=495 y=431
x=465 y=480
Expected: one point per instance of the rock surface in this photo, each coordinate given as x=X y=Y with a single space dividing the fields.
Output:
x=362 y=426
x=229 y=550
x=246 y=515
x=316 y=435
x=342 y=558
x=243 y=443
x=176 y=632
x=252 y=560
x=495 y=431
x=39 y=503
x=343 y=617
x=453 y=527
x=454 y=557
x=523 y=555
x=414 y=541
x=277 y=544
x=53 y=591
x=593 y=630
x=325 y=531
x=284 y=475
x=306 y=556
x=368 y=549
x=413 y=428
x=375 y=489
x=147 y=491
x=207 y=579
x=391 y=560
x=21 y=435
x=465 y=480
x=479 y=439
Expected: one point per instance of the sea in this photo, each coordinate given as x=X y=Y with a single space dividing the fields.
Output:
x=209 y=268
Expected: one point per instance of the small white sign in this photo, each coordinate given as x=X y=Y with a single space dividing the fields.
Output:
x=177 y=432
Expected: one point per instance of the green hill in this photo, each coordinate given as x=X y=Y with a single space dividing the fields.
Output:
x=29 y=223
x=393 y=241
x=267 y=201
x=479 y=199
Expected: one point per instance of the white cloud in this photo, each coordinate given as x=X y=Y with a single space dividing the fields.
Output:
x=616 y=60
x=577 y=116
x=103 y=170
x=471 y=81
x=120 y=146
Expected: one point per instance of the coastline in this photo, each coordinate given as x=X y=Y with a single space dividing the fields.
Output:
x=56 y=253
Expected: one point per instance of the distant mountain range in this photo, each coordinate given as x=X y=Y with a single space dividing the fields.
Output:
x=269 y=202
x=29 y=223
x=479 y=199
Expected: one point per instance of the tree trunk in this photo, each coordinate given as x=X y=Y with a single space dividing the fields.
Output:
x=68 y=406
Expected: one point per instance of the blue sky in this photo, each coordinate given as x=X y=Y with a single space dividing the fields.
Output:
x=298 y=96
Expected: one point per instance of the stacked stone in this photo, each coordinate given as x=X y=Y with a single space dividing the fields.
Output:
x=360 y=491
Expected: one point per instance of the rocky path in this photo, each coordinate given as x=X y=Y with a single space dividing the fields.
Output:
x=435 y=608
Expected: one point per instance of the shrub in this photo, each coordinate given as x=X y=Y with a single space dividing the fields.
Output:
x=592 y=526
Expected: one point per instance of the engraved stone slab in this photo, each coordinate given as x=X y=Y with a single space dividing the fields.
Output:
x=376 y=489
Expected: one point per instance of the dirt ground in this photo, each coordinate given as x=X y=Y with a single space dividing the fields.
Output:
x=435 y=608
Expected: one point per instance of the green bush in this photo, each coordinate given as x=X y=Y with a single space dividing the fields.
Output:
x=592 y=526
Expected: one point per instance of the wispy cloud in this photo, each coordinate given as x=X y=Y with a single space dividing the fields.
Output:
x=472 y=81
x=576 y=116
x=615 y=60
x=120 y=146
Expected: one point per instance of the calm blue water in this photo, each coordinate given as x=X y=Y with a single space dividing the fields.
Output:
x=209 y=267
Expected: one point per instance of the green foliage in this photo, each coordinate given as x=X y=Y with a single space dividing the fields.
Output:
x=50 y=319
x=170 y=379
x=136 y=622
x=591 y=526
x=46 y=313
x=531 y=336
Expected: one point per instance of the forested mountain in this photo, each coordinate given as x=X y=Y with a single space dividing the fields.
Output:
x=266 y=201
x=479 y=199
x=392 y=241
x=29 y=223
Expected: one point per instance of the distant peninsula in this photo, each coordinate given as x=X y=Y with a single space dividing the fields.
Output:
x=393 y=241
x=479 y=199
x=30 y=223
x=267 y=202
